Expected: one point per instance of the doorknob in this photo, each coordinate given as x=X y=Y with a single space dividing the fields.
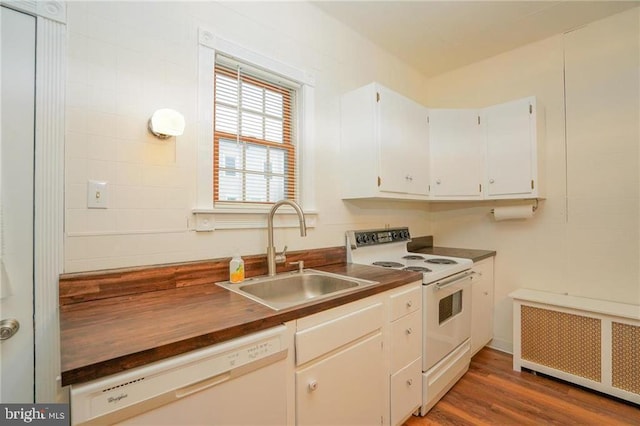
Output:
x=8 y=328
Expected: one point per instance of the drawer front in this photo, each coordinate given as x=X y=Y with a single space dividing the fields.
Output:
x=406 y=301
x=406 y=392
x=328 y=336
x=406 y=340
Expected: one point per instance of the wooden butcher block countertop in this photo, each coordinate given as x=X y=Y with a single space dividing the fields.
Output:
x=111 y=321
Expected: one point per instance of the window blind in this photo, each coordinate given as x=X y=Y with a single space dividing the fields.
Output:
x=254 y=135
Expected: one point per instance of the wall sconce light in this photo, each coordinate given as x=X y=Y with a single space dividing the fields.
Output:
x=165 y=123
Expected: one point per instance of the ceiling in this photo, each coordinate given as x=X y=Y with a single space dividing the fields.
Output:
x=438 y=36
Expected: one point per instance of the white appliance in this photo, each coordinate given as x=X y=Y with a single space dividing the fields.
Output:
x=446 y=303
x=210 y=386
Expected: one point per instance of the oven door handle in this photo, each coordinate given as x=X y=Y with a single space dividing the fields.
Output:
x=456 y=280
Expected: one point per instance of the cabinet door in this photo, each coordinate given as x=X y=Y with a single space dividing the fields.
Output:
x=402 y=130
x=511 y=148
x=345 y=388
x=418 y=149
x=358 y=142
x=406 y=392
x=457 y=149
x=482 y=305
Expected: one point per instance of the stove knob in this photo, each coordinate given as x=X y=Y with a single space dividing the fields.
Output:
x=365 y=239
x=358 y=239
x=394 y=236
x=405 y=234
x=374 y=238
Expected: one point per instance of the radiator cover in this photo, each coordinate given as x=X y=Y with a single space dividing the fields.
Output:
x=592 y=343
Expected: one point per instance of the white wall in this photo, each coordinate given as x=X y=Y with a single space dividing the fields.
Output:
x=584 y=240
x=127 y=59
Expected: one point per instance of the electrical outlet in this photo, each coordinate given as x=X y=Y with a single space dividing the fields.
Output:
x=97 y=195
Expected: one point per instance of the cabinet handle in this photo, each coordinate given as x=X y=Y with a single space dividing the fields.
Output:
x=409 y=330
x=409 y=382
x=491 y=180
x=486 y=293
x=313 y=386
x=438 y=181
x=409 y=304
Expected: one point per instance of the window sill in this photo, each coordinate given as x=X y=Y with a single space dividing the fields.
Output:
x=207 y=220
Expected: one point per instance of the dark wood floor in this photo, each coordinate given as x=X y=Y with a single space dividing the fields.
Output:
x=491 y=393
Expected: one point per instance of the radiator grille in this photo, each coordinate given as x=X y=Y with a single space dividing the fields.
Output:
x=626 y=357
x=566 y=342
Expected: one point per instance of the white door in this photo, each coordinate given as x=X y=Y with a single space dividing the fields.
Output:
x=418 y=152
x=345 y=388
x=510 y=133
x=393 y=134
x=16 y=204
x=404 y=149
x=457 y=148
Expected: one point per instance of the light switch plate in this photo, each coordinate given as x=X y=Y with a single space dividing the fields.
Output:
x=97 y=195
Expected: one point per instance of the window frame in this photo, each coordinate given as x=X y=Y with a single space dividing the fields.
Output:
x=226 y=215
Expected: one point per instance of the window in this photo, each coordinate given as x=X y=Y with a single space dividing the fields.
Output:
x=255 y=139
x=254 y=135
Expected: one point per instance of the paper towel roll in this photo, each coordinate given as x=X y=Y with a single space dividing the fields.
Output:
x=513 y=212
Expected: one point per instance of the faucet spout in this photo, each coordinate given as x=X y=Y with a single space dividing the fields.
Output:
x=271 y=250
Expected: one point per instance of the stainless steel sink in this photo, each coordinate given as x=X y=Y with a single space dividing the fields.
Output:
x=291 y=289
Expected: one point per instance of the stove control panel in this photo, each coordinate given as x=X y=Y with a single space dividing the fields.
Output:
x=377 y=236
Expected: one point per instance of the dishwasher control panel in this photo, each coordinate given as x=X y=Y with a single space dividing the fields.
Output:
x=179 y=376
x=252 y=353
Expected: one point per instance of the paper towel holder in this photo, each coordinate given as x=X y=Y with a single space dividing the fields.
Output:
x=534 y=208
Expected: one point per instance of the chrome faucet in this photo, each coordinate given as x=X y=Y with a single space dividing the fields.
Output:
x=272 y=256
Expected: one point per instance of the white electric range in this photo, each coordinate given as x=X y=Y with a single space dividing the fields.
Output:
x=446 y=303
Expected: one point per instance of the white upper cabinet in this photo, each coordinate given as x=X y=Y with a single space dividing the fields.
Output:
x=512 y=149
x=393 y=147
x=457 y=151
x=384 y=145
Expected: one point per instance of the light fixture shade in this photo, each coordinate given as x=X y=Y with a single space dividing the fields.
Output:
x=165 y=123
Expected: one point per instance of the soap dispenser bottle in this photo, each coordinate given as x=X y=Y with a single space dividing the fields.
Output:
x=236 y=269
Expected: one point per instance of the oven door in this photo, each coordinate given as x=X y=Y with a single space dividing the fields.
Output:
x=447 y=317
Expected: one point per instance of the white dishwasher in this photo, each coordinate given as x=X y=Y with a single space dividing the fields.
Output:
x=239 y=382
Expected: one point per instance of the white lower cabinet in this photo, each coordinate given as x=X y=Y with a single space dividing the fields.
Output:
x=482 y=305
x=360 y=363
x=340 y=373
x=406 y=392
x=405 y=351
x=345 y=387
